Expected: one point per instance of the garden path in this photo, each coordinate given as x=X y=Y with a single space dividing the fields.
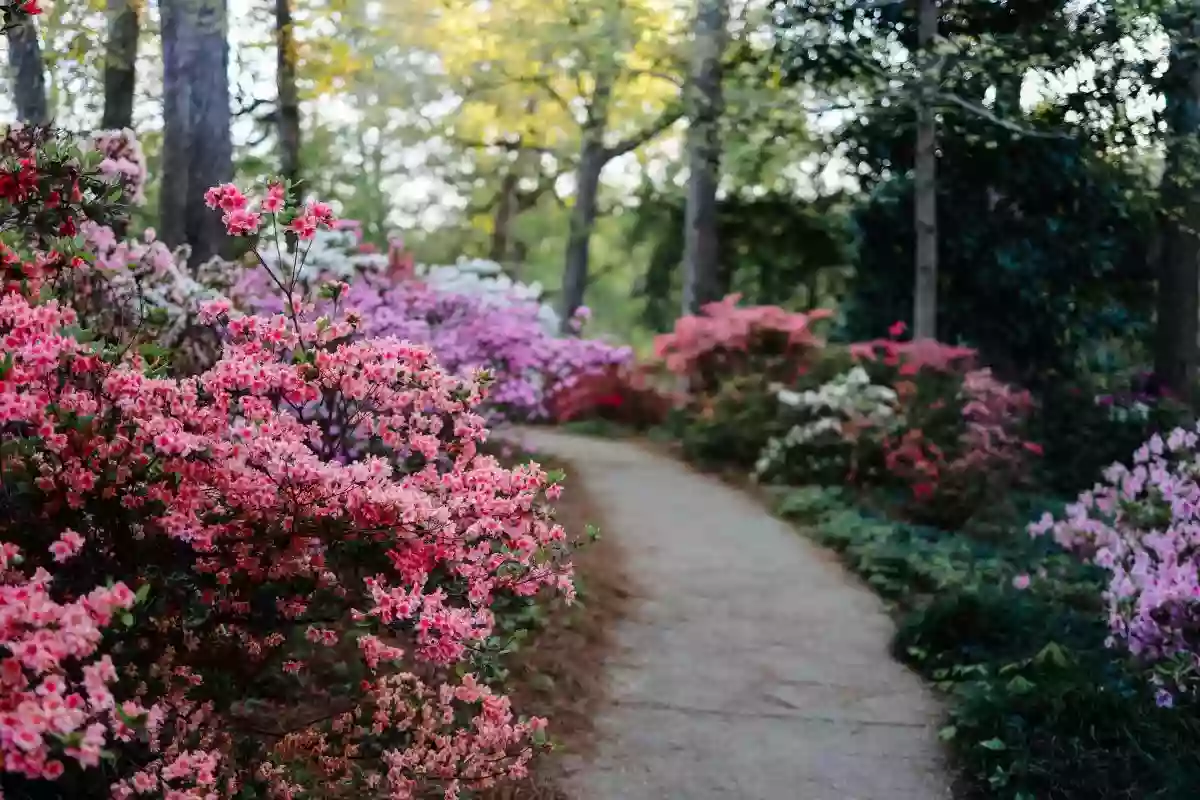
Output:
x=753 y=666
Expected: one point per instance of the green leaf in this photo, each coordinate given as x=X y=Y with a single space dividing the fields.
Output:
x=993 y=744
x=1020 y=685
x=1053 y=654
x=947 y=733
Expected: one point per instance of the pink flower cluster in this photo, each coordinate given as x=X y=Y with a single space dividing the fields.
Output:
x=123 y=162
x=726 y=339
x=311 y=511
x=55 y=698
x=1142 y=525
x=241 y=220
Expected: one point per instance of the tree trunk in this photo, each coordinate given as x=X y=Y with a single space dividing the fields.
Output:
x=178 y=40
x=701 y=253
x=502 y=220
x=925 y=186
x=120 y=63
x=28 y=73
x=592 y=158
x=1179 y=276
x=289 y=96
x=197 y=148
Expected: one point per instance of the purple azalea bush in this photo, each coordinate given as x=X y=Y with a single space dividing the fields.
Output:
x=1142 y=525
x=483 y=321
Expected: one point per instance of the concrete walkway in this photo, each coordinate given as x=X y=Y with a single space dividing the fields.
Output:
x=753 y=666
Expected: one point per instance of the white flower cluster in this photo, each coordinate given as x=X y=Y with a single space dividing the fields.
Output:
x=332 y=255
x=850 y=397
x=486 y=279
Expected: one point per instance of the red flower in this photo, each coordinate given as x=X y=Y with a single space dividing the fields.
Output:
x=922 y=491
x=1033 y=447
x=31 y=7
x=614 y=400
x=897 y=329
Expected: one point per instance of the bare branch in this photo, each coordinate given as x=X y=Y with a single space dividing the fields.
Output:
x=990 y=116
x=509 y=145
x=662 y=76
x=636 y=140
x=249 y=108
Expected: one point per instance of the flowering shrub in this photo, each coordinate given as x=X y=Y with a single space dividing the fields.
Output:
x=836 y=422
x=1139 y=524
x=276 y=574
x=529 y=365
x=727 y=340
x=471 y=323
x=621 y=394
x=141 y=284
x=958 y=466
x=960 y=445
x=48 y=187
x=486 y=280
x=123 y=162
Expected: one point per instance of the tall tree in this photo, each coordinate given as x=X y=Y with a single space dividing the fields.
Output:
x=925 y=180
x=594 y=156
x=120 y=63
x=701 y=253
x=197 y=144
x=1179 y=274
x=606 y=74
x=28 y=72
x=289 y=96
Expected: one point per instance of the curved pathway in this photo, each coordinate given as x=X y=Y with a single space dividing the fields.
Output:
x=753 y=666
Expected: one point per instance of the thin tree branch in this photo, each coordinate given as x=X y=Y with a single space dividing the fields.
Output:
x=636 y=140
x=510 y=146
x=251 y=107
x=1009 y=125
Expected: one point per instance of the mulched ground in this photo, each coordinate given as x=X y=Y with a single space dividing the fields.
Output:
x=556 y=674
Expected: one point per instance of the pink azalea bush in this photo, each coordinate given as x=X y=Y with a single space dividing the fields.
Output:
x=275 y=575
x=1141 y=525
x=123 y=162
x=959 y=446
x=726 y=340
x=729 y=358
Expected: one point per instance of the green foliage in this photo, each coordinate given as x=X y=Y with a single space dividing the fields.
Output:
x=776 y=249
x=598 y=427
x=1035 y=263
x=732 y=426
x=1083 y=431
x=1038 y=706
